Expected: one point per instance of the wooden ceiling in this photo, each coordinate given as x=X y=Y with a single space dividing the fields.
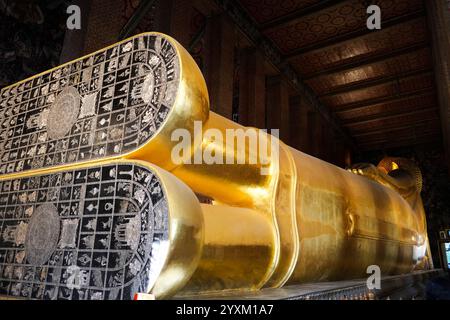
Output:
x=379 y=83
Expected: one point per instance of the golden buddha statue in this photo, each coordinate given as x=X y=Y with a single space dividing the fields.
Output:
x=276 y=215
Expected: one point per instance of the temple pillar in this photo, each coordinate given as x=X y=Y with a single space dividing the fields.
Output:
x=105 y=23
x=325 y=151
x=439 y=22
x=252 y=89
x=345 y=153
x=162 y=17
x=329 y=144
x=277 y=106
x=340 y=153
x=180 y=23
x=298 y=126
x=220 y=62
x=316 y=134
x=333 y=146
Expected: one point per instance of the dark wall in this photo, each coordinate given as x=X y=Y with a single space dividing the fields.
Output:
x=31 y=37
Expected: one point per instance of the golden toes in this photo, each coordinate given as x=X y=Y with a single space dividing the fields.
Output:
x=104 y=231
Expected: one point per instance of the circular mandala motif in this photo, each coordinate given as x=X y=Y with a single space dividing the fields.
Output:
x=63 y=113
x=42 y=235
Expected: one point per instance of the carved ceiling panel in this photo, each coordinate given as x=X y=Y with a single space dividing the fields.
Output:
x=379 y=84
x=333 y=21
x=398 y=65
x=402 y=142
x=347 y=98
x=396 y=106
x=412 y=84
x=403 y=86
x=357 y=49
x=425 y=128
x=401 y=120
x=267 y=10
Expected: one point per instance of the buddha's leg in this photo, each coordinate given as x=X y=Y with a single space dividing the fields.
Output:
x=347 y=222
x=166 y=92
x=104 y=231
x=237 y=253
x=124 y=101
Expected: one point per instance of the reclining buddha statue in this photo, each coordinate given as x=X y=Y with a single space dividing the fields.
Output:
x=99 y=191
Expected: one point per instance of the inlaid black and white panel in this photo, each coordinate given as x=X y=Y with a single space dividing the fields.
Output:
x=106 y=104
x=97 y=233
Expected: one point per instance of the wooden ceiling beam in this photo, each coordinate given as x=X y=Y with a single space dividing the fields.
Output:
x=362 y=104
x=390 y=143
x=368 y=60
x=249 y=28
x=300 y=13
x=400 y=98
x=387 y=113
x=420 y=125
x=409 y=124
x=400 y=124
x=362 y=84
